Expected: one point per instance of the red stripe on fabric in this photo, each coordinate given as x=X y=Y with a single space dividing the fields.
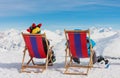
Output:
x=29 y=45
x=72 y=44
x=40 y=47
x=84 y=45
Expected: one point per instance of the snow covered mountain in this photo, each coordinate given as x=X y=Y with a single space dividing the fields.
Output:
x=12 y=39
x=107 y=40
x=12 y=44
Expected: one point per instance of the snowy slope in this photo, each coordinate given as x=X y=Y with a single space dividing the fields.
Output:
x=11 y=47
x=106 y=40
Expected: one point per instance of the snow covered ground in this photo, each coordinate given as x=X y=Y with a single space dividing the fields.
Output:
x=11 y=47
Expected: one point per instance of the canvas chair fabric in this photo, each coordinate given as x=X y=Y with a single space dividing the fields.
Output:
x=34 y=45
x=76 y=44
x=77 y=48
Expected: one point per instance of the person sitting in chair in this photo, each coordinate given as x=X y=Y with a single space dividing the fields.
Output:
x=35 y=29
x=77 y=60
x=94 y=59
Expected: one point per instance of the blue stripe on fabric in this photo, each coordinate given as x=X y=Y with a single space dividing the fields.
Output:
x=78 y=44
x=34 y=47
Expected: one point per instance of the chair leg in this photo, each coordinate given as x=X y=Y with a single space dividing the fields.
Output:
x=50 y=57
x=24 y=66
x=33 y=62
x=23 y=59
x=65 y=58
x=67 y=65
x=31 y=59
x=70 y=62
x=66 y=69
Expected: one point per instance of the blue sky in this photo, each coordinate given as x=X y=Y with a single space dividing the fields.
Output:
x=59 y=14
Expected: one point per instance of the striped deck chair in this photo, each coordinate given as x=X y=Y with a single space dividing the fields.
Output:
x=76 y=46
x=35 y=48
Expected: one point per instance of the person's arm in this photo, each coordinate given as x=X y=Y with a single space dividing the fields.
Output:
x=92 y=42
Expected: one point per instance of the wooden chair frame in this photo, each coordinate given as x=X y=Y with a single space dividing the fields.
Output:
x=38 y=66
x=69 y=63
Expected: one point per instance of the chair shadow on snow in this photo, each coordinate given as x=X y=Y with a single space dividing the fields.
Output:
x=57 y=67
x=17 y=66
x=114 y=63
x=10 y=66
